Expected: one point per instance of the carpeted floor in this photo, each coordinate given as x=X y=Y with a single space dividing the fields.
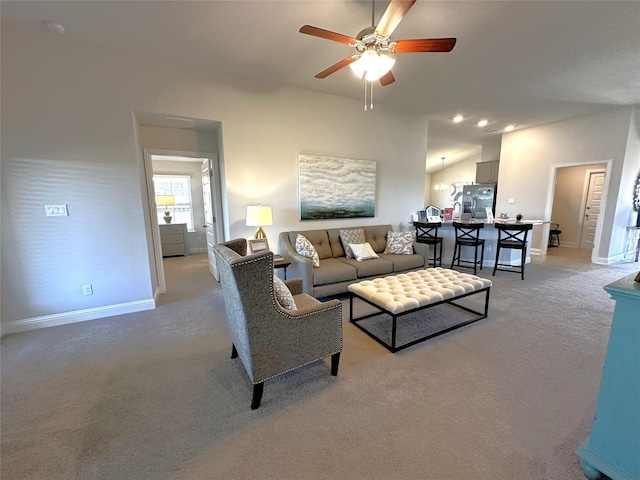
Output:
x=154 y=395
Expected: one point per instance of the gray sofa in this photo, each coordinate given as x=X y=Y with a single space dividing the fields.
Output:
x=336 y=272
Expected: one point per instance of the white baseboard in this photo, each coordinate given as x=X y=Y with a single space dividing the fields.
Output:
x=197 y=250
x=76 y=316
x=609 y=260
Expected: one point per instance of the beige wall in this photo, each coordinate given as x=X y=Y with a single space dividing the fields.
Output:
x=530 y=158
x=70 y=136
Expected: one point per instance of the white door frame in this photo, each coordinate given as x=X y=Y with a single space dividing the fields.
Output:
x=603 y=205
x=155 y=229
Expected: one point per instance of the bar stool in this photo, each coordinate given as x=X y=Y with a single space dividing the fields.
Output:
x=554 y=232
x=468 y=235
x=428 y=233
x=512 y=236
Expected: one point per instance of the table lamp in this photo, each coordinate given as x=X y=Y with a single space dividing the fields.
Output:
x=257 y=216
x=166 y=201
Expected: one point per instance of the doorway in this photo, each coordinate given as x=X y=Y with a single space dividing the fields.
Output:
x=204 y=228
x=577 y=202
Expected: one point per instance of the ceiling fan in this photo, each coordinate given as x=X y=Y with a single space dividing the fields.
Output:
x=373 y=43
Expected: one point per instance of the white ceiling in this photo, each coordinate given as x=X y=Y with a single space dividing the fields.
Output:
x=520 y=62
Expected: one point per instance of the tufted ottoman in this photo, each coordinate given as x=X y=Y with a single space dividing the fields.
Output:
x=407 y=293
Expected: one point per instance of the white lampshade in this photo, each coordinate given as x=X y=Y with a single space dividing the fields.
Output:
x=165 y=200
x=259 y=216
x=372 y=65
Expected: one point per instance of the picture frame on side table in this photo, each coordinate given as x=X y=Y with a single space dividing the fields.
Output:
x=258 y=245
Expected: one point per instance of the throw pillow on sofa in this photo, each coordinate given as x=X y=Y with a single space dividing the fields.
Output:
x=283 y=294
x=353 y=235
x=306 y=249
x=400 y=242
x=363 y=251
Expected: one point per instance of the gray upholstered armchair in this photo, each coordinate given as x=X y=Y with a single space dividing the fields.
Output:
x=269 y=339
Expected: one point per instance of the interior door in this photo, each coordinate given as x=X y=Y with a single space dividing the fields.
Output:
x=592 y=209
x=208 y=194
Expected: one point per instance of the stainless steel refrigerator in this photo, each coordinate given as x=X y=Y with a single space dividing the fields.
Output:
x=476 y=199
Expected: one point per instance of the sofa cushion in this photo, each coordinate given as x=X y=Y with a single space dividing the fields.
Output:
x=332 y=270
x=400 y=242
x=376 y=236
x=373 y=267
x=318 y=238
x=335 y=242
x=305 y=248
x=403 y=262
x=349 y=236
x=362 y=251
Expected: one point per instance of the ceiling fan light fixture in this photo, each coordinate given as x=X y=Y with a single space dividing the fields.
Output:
x=458 y=118
x=371 y=65
x=483 y=123
x=509 y=128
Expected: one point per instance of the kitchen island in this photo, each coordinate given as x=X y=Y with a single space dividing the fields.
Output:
x=490 y=236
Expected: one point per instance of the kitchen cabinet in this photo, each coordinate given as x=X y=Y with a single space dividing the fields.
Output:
x=487 y=172
x=173 y=237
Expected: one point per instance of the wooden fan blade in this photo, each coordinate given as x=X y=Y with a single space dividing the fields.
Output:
x=396 y=10
x=387 y=78
x=320 y=32
x=334 y=68
x=423 y=45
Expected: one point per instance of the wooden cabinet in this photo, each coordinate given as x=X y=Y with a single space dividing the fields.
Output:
x=173 y=237
x=487 y=172
x=613 y=449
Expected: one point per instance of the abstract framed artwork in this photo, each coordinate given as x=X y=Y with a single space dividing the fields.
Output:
x=332 y=187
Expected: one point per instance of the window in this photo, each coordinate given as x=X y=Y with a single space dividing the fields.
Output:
x=180 y=187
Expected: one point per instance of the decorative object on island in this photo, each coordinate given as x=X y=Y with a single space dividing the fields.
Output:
x=166 y=201
x=432 y=214
x=332 y=187
x=448 y=214
x=259 y=216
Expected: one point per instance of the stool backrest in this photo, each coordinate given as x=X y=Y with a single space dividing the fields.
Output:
x=513 y=232
x=468 y=231
x=426 y=230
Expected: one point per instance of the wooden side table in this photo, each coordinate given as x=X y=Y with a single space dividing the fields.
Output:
x=613 y=449
x=282 y=264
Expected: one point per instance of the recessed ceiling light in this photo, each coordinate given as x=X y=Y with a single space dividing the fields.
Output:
x=508 y=128
x=54 y=27
x=458 y=118
x=483 y=123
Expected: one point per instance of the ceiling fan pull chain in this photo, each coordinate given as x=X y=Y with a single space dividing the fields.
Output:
x=365 y=95
x=371 y=96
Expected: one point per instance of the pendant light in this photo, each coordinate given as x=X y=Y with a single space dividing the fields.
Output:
x=441 y=187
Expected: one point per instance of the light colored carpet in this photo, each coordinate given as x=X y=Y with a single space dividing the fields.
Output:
x=154 y=395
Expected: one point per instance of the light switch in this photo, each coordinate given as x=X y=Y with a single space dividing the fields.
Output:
x=56 y=210
x=511 y=200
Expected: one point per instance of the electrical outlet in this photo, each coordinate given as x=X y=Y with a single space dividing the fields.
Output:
x=87 y=289
x=511 y=200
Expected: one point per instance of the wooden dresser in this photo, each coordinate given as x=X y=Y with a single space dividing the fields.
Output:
x=613 y=449
x=173 y=237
